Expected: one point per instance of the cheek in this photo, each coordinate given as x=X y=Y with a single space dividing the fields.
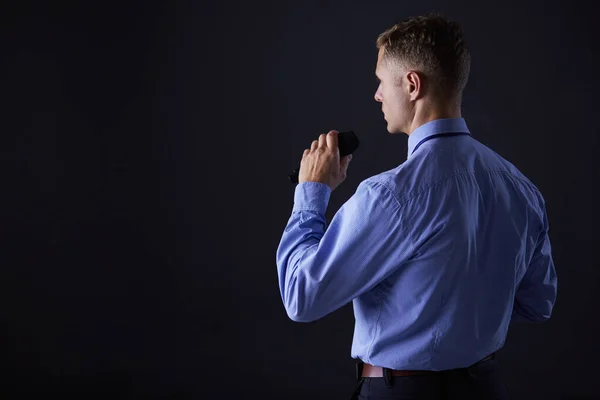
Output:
x=391 y=101
x=397 y=101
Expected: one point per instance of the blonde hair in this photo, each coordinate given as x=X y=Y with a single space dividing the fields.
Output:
x=433 y=46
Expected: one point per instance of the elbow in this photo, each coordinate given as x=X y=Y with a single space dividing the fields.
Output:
x=523 y=313
x=545 y=316
x=519 y=318
x=540 y=318
x=299 y=318
x=299 y=309
x=546 y=309
x=299 y=305
x=297 y=315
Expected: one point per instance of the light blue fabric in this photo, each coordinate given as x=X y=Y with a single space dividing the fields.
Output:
x=437 y=255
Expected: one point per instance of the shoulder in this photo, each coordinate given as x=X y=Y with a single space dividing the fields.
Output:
x=496 y=163
x=396 y=185
x=412 y=177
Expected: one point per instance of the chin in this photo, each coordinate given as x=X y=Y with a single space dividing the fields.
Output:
x=393 y=129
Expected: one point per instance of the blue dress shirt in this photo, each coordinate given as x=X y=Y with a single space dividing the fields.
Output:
x=437 y=255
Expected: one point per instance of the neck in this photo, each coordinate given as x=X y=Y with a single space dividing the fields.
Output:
x=428 y=111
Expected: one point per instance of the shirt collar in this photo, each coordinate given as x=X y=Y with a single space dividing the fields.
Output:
x=444 y=125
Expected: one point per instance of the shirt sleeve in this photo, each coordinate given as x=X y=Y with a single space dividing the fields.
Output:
x=536 y=293
x=321 y=270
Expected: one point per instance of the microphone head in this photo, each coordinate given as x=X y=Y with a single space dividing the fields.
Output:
x=347 y=143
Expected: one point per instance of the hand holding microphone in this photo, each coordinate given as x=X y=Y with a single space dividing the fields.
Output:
x=327 y=160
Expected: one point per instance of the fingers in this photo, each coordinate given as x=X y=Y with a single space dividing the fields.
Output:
x=332 y=140
x=328 y=140
x=314 y=145
x=323 y=140
x=345 y=161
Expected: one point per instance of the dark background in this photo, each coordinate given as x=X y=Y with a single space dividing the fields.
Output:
x=145 y=151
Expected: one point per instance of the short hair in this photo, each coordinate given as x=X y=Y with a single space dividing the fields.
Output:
x=432 y=45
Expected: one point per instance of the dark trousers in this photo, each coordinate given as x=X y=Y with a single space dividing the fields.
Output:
x=481 y=381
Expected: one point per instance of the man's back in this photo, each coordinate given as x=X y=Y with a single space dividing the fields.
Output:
x=478 y=234
x=438 y=255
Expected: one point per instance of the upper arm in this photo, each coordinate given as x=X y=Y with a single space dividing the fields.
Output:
x=365 y=242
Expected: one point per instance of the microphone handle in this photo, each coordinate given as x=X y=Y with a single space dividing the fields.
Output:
x=294 y=175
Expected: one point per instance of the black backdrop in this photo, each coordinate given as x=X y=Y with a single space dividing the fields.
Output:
x=145 y=149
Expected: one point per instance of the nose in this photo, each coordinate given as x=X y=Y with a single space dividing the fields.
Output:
x=378 y=94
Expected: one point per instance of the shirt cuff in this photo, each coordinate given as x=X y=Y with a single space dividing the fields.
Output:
x=313 y=196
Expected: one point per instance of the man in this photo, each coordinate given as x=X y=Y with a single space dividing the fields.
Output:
x=438 y=255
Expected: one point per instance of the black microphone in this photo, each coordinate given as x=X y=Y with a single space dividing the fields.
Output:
x=347 y=143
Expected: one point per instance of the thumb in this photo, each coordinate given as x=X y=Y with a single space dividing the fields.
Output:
x=346 y=161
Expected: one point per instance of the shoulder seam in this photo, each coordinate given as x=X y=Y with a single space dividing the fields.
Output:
x=390 y=191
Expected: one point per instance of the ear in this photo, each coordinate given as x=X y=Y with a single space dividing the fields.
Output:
x=415 y=85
